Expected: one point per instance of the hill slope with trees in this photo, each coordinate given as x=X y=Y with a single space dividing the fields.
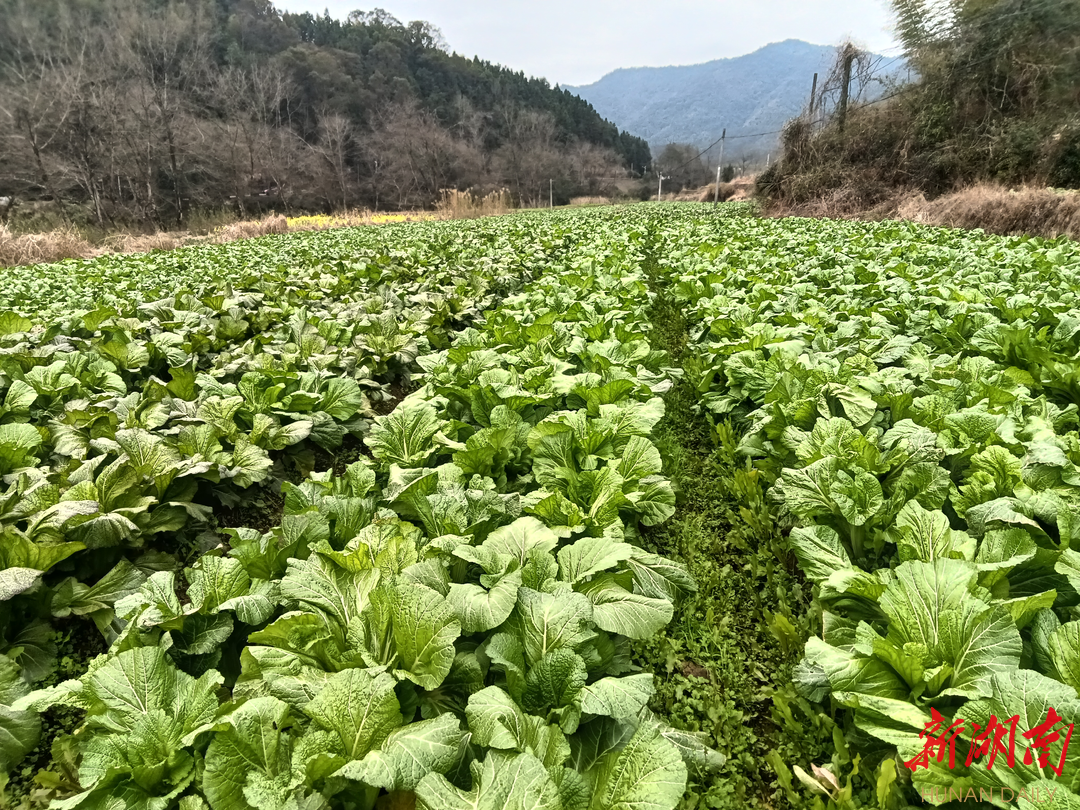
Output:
x=141 y=111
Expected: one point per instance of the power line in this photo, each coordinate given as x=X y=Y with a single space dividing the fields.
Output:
x=975 y=24
x=821 y=120
x=699 y=154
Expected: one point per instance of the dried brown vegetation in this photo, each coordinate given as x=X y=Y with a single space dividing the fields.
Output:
x=35 y=248
x=976 y=140
x=739 y=189
x=251 y=229
x=996 y=209
x=590 y=201
x=67 y=242
x=456 y=204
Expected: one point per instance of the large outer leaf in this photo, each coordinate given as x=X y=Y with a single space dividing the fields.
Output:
x=504 y=782
x=405 y=436
x=933 y=604
x=215 y=580
x=495 y=720
x=589 y=556
x=554 y=682
x=409 y=754
x=648 y=774
x=819 y=551
x=19 y=730
x=251 y=752
x=14 y=581
x=596 y=739
x=858 y=495
x=551 y=621
x=149 y=754
x=633 y=615
x=1064 y=644
x=1069 y=566
x=620 y=698
x=640 y=459
x=359 y=708
x=342 y=398
x=320 y=583
x=417 y=626
x=144 y=680
x=521 y=537
x=17 y=551
x=17 y=442
x=659 y=577
x=654 y=500
x=926 y=535
x=479 y=609
x=806 y=490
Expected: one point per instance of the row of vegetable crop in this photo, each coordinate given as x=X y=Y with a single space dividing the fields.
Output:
x=447 y=620
x=125 y=429
x=317 y=261
x=911 y=394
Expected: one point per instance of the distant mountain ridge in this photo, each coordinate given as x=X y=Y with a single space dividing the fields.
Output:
x=692 y=104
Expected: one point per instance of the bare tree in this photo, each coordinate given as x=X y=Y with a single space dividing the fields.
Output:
x=42 y=72
x=246 y=143
x=593 y=169
x=418 y=157
x=529 y=156
x=160 y=59
x=335 y=136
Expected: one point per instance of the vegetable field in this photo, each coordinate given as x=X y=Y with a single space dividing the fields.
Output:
x=647 y=507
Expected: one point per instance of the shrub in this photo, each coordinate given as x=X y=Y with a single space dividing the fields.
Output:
x=454 y=204
x=40 y=248
x=1065 y=166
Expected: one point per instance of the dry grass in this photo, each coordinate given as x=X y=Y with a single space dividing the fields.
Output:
x=456 y=204
x=995 y=209
x=35 y=248
x=708 y=193
x=738 y=190
x=275 y=223
x=590 y=201
x=68 y=243
x=143 y=242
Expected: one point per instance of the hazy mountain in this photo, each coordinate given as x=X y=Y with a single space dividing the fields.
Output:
x=692 y=104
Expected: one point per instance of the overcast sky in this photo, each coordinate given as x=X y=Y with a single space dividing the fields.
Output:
x=578 y=41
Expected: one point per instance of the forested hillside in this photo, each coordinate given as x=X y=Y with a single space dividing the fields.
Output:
x=143 y=110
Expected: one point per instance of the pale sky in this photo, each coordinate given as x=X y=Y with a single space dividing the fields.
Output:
x=578 y=41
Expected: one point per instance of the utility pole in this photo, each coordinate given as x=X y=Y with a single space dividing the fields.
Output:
x=660 y=189
x=719 y=167
x=551 y=193
x=813 y=99
x=849 y=57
